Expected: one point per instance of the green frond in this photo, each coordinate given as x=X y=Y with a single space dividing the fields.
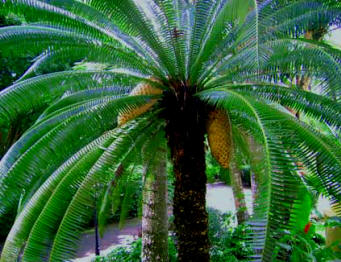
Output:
x=81 y=98
x=286 y=142
x=57 y=15
x=110 y=199
x=81 y=207
x=37 y=152
x=78 y=17
x=296 y=17
x=241 y=151
x=152 y=153
x=33 y=40
x=234 y=104
x=23 y=224
x=282 y=58
x=53 y=60
x=204 y=14
x=131 y=19
x=310 y=60
x=249 y=53
x=38 y=248
x=229 y=15
x=46 y=124
x=176 y=13
x=17 y=99
x=131 y=187
x=313 y=105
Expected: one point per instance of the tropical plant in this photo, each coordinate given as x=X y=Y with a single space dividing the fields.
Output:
x=304 y=246
x=228 y=242
x=132 y=252
x=205 y=57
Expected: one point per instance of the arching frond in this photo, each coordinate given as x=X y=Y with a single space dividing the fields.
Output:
x=75 y=100
x=24 y=221
x=16 y=99
x=33 y=39
x=286 y=142
x=314 y=105
x=55 y=60
x=75 y=217
x=72 y=16
x=36 y=155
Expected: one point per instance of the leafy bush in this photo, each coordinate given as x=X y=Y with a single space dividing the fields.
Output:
x=132 y=253
x=214 y=172
x=304 y=246
x=228 y=242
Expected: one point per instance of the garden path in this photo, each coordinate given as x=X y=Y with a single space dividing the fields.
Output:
x=218 y=196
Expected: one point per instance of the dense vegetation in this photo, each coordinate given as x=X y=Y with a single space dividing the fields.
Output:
x=119 y=88
x=228 y=243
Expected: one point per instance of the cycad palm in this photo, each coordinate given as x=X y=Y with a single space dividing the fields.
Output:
x=204 y=55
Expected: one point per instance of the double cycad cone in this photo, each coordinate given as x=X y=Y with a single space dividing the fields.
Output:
x=217 y=126
x=219 y=136
x=141 y=89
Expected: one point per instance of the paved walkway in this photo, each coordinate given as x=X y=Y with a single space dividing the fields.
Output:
x=112 y=237
x=219 y=196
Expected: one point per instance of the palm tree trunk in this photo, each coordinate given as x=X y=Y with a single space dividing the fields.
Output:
x=238 y=193
x=185 y=132
x=155 y=219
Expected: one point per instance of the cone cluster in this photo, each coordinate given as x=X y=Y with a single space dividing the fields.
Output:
x=219 y=136
x=141 y=89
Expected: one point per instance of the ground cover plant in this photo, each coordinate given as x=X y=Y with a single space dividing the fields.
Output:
x=228 y=242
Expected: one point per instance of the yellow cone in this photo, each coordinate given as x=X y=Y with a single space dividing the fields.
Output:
x=141 y=89
x=219 y=136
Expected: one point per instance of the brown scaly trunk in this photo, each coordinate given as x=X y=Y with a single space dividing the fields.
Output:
x=155 y=219
x=238 y=193
x=185 y=132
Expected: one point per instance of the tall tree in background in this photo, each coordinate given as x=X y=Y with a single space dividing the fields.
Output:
x=155 y=216
x=194 y=59
x=154 y=199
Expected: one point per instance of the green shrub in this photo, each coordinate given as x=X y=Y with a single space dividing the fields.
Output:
x=132 y=253
x=304 y=246
x=214 y=172
x=228 y=242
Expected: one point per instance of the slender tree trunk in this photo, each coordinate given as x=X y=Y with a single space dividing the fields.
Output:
x=238 y=193
x=185 y=131
x=155 y=219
